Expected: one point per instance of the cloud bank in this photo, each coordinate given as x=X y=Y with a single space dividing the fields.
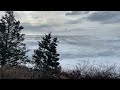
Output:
x=69 y=22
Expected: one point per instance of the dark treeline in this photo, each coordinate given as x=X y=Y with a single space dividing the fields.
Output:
x=45 y=58
x=13 y=50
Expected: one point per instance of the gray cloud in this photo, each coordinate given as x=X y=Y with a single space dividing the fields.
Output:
x=105 y=17
x=74 y=21
x=76 y=12
x=30 y=29
x=27 y=25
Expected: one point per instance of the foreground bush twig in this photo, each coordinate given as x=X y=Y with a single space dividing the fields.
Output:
x=22 y=72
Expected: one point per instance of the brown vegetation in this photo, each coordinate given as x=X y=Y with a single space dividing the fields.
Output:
x=22 y=72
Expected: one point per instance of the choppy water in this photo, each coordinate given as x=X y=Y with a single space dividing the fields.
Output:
x=77 y=49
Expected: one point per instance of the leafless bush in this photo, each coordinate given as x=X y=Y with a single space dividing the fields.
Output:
x=87 y=71
x=84 y=71
x=18 y=72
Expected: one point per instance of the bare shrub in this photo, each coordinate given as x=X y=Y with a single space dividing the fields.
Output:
x=87 y=71
x=18 y=72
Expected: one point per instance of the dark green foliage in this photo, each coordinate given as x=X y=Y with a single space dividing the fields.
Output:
x=46 y=56
x=12 y=50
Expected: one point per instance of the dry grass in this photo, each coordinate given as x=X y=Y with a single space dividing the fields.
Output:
x=81 y=72
x=18 y=72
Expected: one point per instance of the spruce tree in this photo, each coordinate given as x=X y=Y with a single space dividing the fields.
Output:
x=12 y=48
x=46 y=56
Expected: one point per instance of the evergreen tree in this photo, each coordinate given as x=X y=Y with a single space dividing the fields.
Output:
x=12 y=48
x=46 y=56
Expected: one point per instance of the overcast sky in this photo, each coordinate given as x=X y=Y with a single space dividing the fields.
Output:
x=69 y=22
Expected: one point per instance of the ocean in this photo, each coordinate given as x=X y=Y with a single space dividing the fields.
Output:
x=74 y=50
